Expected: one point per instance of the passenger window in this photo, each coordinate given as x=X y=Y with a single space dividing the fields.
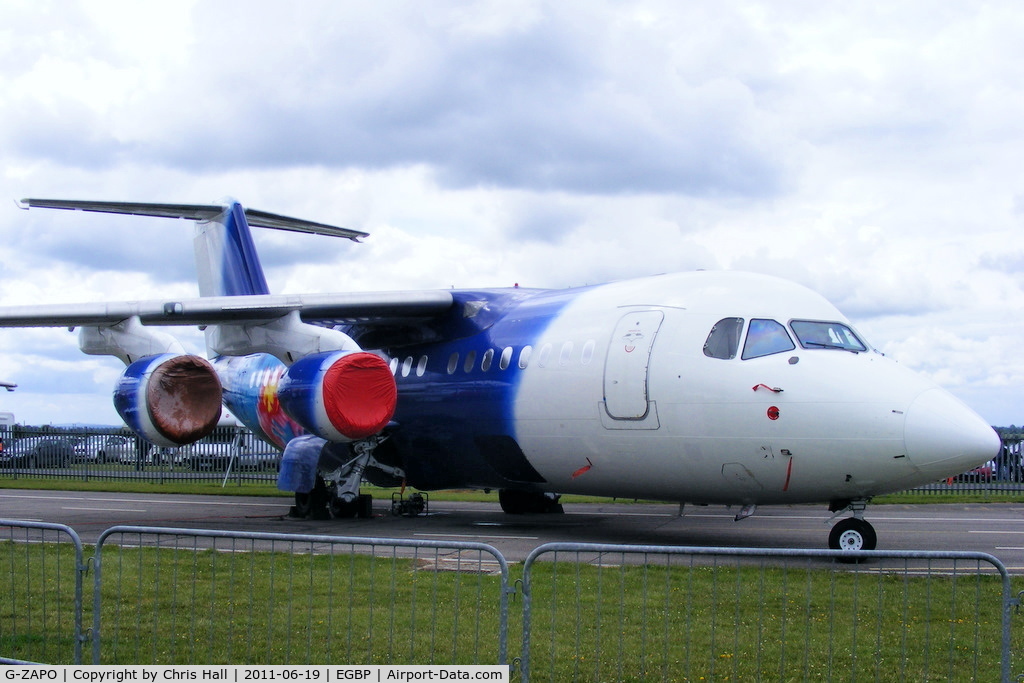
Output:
x=588 y=352
x=406 y=366
x=506 y=358
x=563 y=357
x=823 y=335
x=545 y=354
x=766 y=337
x=485 y=363
x=421 y=367
x=724 y=340
x=453 y=362
x=524 y=357
x=393 y=365
x=470 y=361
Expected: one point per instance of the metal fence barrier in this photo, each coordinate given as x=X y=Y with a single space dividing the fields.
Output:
x=612 y=612
x=230 y=455
x=166 y=596
x=41 y=607
x=589 y=611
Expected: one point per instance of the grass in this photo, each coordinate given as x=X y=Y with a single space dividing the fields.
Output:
x=762 y=623
x=188 y=605
x=592 y=618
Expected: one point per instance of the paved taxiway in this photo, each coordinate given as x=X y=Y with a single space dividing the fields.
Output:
x=997 y=529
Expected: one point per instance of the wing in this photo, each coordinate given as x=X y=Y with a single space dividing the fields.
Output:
x=387 y=308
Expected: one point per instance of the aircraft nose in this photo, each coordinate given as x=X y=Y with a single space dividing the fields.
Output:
x=944 y=437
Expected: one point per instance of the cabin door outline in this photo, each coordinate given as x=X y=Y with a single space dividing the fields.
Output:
x=627 y=365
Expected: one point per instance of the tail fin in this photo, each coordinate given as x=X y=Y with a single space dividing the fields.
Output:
x=226 y=260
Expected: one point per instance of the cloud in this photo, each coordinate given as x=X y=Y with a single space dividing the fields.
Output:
x=522 y=106
x=869 y=152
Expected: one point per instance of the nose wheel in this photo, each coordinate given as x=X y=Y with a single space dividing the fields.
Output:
x=852 y=533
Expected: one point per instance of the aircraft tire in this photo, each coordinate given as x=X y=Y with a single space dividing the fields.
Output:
x=365 y=504
x=527 y=502
x=852 y=534
x=341 y=509
x=360 y=508
x=301 y=507
x=514 y=502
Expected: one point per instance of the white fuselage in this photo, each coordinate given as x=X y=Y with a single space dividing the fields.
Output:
x=620 y=399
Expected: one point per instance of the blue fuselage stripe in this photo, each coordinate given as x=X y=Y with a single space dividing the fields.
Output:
x=441 y=415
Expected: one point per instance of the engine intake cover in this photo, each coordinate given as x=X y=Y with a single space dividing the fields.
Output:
x=170 y=399
x=340 y=396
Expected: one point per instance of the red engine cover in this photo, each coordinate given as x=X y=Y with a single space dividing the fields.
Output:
x=359 y=394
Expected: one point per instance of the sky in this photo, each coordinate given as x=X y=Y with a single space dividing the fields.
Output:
x=873 y=152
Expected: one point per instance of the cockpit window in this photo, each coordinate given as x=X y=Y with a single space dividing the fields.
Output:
x=766 y=337
x=724 y=340
x=813 y=334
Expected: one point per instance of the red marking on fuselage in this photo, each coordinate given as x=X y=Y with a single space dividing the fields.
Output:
x=583 y=469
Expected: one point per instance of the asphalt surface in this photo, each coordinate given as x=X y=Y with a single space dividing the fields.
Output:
x=997 y=529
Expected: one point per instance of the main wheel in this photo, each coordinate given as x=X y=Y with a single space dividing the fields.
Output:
x=302 y=506
x=527 y=502
x=852 y=534
x=343 y=509
x=313 y=504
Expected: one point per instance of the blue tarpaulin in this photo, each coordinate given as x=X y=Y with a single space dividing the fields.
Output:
x=298 y=464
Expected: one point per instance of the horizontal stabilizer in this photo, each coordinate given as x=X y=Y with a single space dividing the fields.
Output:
x=196 y=212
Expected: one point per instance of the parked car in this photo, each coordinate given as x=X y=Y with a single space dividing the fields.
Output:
x=87 y=448
x=162 y=455
x=212 y=452
x=981 y=473
x=216 y=452
x=262 y=459
x=32 y=453
x=118 y=448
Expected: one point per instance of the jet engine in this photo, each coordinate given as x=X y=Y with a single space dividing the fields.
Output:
x=340 y=395
x=169 y=399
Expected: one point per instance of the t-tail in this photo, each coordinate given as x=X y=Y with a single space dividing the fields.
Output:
x=226 y=257
x=226 y=260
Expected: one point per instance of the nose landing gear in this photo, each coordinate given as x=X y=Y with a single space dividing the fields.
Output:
x=852 y=533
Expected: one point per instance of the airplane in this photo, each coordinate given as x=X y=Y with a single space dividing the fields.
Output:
x=706 y=387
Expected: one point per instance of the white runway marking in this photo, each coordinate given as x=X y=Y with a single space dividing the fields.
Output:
x=521 y=538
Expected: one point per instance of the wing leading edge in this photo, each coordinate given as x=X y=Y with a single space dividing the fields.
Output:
x=366 y=307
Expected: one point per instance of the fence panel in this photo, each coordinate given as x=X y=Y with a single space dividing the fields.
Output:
x=605 y=612
x=41 y=607
x=228 y=456
x=231 y=455
x=183 y=596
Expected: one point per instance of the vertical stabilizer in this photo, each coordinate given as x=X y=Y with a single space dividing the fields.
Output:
x=226 y=260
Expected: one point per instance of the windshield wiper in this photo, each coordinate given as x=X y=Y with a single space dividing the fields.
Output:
x=827 y=345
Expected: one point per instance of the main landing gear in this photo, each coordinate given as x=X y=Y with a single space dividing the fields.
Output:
x=336 y=493
x=515 y=502
x=852 y=533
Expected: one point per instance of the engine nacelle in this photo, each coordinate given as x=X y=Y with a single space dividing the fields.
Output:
x=170 y=399
x=340 y=395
